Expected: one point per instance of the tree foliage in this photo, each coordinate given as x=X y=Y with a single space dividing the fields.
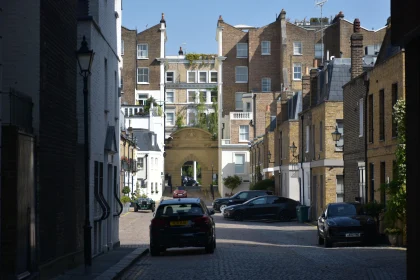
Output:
x=232 y=182
x=266 y=184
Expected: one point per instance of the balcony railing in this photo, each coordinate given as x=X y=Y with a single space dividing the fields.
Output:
x=241 y=115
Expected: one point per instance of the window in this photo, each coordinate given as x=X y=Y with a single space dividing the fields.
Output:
x=265 y=47
x=140 y=163
x=260 y=201
x=372 y=181
x=340 y=188
x=307 y=138
x=142 y=51
x=394 y=101
x=122 y=47
x=381 y=114
x=321 y=144
x=382 y=181
x=191 y=96
x=361 y=117
x=203 y=96
x=241 y=74
x=202 y=77
x=191 y=117
x=141 y=99
x=213 y=96
x=266 y=85
x=239 y=163
x=319 y=50
x=370 y=116
x=143 y=75
x=340 y=128
x=191 y=76
x=170 y=97
x=213 y=77
x=297 y=71
x=170 y=77
x=297 y=48
x=238 y=101
x=170 y=118
x=243 y=133
x=122 y=84
x=242 y=50
x=248 y=107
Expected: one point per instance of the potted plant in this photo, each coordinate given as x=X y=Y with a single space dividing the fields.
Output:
x=126 y=190
x=232 y=182
x=393 y=235
x=126 y=201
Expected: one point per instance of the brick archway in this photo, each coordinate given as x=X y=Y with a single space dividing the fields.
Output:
x=191 y=144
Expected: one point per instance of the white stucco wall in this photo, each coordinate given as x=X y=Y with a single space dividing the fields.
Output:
x=306 y=182
x=290 y=184
x=228 y=169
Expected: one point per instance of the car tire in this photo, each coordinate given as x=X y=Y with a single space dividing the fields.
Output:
x=136 y=208
x=327 y=242
x=320 y=240
x=222 y=207
x=210 y=247
x=154 y=251
x=239 y=216
x=284 y=216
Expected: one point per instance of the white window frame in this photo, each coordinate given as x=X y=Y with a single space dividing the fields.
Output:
x=188 y=77
x=241 y=74
x=168 y=93
x=246 y=133
x=210 y=77
x=341 y=130
x=199 y=77
x=240 y=107
x=241 y=50
x=266 y=50
x=142 y=99
x=168 y=123
x=140 y=163
x=243 y=164
x=297 y=48
x=122 y=47
x=341 y=193
x=138 y=75
x=188 y=96
x=316 y=50
x=191 y=111
x=173 y=77
x=211 y=100
x=142 y=54
x=297 y=65
x=361 y=118
x=266 y=84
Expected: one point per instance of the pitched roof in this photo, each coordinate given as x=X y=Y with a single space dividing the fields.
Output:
x=332 y=78
x=144 y=140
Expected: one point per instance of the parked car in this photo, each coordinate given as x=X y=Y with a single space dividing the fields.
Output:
x=180 y=192
x=221 y=203
x=144 y=204
x=264 y=207
x=191 y=183
x=182 y=223
x=345 y=223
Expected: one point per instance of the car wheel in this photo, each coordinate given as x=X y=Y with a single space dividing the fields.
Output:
x=154 y=251
x=136 y=208
x=239 y=216
x=327 y=242
x=284 y=216
x=320 y=240
x=222 y=208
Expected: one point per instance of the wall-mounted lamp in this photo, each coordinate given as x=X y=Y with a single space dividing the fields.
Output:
x=251 y=123
x=336 y=135
x=293 y=148
x=269 y=157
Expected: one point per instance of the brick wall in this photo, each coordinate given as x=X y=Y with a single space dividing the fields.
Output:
x=129 y=73
x=262 y=100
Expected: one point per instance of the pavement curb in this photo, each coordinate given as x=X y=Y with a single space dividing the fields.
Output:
x=116 y=271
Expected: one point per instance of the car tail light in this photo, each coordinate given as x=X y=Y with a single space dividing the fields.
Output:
x=203 y=223
x=158 y=223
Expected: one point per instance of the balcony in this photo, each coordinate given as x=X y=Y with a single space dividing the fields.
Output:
x=241 y=115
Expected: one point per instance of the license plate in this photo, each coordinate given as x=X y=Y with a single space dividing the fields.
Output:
x=180 y=194
x=179 y=223
x=352 y=234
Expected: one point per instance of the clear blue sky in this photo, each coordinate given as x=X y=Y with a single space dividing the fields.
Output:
x=194 y=21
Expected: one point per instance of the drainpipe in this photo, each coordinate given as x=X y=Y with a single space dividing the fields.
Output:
x=223 y=128
x=302 y=185
x=254 y=112
x=365 y=119
x=146 y=156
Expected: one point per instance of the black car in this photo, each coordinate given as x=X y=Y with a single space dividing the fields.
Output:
x=345 y=223
x=264 y=207
x=185 y=222
x=191 y=183
x=144 y=204
x=238 y=198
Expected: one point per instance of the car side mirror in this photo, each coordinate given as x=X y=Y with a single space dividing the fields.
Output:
x=211 y=212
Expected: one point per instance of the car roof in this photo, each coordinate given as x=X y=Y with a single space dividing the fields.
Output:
x=344 y=203
x=180 y=201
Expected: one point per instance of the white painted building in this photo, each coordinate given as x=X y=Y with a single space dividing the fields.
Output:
x=102 y=29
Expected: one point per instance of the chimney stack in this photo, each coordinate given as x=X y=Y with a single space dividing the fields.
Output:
x=313 y=86
x=180 y=51
x=306 y=90
x=356 y=50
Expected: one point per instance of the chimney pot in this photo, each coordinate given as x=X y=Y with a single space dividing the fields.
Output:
x=315 y=63
x=180 y=51
x=220 y=18
x=163 y=18
x=356 y=26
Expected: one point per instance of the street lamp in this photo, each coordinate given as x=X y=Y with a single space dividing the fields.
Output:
x=293 y=148
x=84 y=59
x=269 y=157
x=336 y=135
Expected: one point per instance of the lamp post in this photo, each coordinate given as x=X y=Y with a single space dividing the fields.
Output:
x=293 y=148
x=133 y=144
x=84 y=59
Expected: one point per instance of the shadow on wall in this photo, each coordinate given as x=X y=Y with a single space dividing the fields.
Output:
x=229 y=170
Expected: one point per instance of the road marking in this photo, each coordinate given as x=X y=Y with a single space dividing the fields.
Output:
x=125 y=214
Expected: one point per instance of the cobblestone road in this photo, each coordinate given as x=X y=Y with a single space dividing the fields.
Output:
x=260 y=250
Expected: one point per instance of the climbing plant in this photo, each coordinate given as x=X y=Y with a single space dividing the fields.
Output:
x=148 y=104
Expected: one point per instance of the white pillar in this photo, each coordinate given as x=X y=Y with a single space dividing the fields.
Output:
x=195 y=170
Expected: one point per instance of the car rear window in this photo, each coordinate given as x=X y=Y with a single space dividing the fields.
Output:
x=181 y=188
x=179 y=210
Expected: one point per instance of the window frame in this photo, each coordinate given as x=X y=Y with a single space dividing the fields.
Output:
x=210 y=77
x=199 y=77
x=139 y=56
x=173 y=77
x=188 y=77
x=238 y=50
x=297 y=65
x=138 y=76
x=297 y=47
x=191 y=111
x=173 y=97
x=267 y=47
x=243 y=164
x=382 y=115
x=236 y=75
x=243 y=133
x=268 y=89
x=236 y=101
x=321 y=50
x=188 y=96
x=173 y=120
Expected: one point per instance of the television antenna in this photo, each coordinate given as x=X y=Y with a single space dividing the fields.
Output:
x=321 y=3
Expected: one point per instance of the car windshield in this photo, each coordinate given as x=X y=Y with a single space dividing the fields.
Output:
x=339 y=210
x=181 y=188
x=173 y=210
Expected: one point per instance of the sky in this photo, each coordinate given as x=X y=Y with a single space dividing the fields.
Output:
x=192 y=23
